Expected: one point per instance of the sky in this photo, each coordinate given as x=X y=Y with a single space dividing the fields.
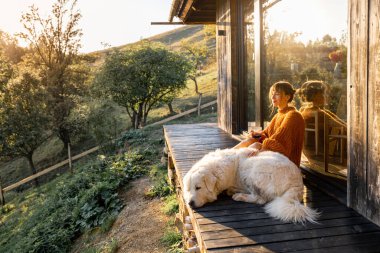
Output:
x=115 y=22
x=313 y=18
x=118 y=22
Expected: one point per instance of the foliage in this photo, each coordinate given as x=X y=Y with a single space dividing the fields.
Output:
x=22 y=117
x=196 y=53
x=161 y=187
x=171 y=205
x=141 y=77
x=54 y=43
x=12 y=52
x=336 y=56
x=6 y=71
x=105 y=121
x=132 y=136
x=172 y=239
x=85 y=200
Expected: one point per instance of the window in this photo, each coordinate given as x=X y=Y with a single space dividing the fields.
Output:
x=249 y=63
x=305 y=41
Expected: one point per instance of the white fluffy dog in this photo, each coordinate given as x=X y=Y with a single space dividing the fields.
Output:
x=267 y=177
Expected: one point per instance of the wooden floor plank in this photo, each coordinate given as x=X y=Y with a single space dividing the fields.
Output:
x=228 y=206
x=249 y=217
x=308 y=244
x=252 y=210
x=346 y=233
x=281 y=227
x=247 y=221
x=230 y=226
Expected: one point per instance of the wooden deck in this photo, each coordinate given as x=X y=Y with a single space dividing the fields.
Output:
x=229 y=226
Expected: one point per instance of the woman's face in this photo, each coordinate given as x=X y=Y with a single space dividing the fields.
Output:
x=319 y=99
x=279 y=99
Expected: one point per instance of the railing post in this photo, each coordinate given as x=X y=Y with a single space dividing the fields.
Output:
x=70 y=159
x=2 y=200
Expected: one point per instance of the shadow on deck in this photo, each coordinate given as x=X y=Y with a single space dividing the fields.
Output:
x=229 y=226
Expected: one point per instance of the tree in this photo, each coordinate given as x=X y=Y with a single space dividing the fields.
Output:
x=141 y=77
x=54 y=43
x=23 y=122
x=10 y=48
x=6 y=71
x=196 y=54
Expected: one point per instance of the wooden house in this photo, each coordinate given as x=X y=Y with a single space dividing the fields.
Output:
x=341 y=159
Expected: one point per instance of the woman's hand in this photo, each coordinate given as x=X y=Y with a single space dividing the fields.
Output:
x=255 y=134
x=257 y=146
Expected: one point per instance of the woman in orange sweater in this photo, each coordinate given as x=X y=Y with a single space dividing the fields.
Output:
x=285 y=133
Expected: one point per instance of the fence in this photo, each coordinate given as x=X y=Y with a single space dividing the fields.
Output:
x=92 y=150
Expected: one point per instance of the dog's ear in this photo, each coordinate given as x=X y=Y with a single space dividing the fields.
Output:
x=210 y=182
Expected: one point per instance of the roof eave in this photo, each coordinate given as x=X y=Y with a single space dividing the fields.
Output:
x=174 y=9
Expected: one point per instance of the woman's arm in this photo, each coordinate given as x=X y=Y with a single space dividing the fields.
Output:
x=283 y=138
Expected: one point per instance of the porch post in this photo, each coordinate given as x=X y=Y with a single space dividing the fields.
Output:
x=259 y=61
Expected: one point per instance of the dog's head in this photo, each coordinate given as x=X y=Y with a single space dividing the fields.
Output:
x=199 y=187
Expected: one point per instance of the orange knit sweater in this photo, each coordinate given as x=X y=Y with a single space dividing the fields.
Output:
x=285 y=134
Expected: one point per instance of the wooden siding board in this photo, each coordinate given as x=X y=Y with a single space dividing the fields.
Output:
x=234 y=64
x=357 y=104
x=223 y=53
x=259 y=61
x=229 y=46
x=226 y=225
x=373 y=163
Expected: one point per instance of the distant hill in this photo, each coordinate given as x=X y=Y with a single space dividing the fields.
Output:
x=172 y=39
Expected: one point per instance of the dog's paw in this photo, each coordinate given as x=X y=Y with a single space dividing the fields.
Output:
x=230 y=192
x=240 y=197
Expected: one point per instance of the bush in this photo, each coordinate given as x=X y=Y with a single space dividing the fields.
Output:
x=83 y=201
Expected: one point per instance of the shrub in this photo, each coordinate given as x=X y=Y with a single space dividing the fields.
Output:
x=83 y=201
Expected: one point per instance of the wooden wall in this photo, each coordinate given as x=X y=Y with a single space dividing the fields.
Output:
x=373 y=163
x=223 y=54
x=231 y=95
x=364 y=108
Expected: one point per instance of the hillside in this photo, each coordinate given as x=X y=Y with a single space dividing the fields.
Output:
x=115 y=117
x=172 y=39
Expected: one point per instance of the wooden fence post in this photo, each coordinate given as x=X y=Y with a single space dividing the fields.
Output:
x=2 y=200
x=70 y=159
x=199 y=104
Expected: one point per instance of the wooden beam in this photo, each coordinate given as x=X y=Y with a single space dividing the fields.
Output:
x=357 y=71
x=184 y=13
x=259 y=63
x=373 y=163
x=167 y=23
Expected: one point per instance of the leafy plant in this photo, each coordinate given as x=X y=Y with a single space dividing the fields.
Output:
x=171 y=205
x=83 y=201
x=173 y=240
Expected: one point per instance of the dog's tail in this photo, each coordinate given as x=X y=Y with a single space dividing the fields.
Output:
x=289 y=209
